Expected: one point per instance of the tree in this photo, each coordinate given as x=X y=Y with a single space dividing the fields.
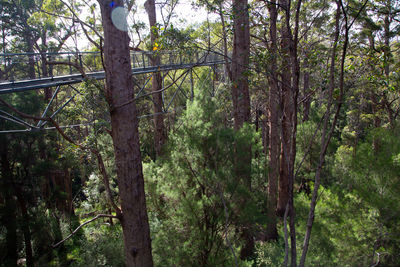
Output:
x=273 y=119
x=241 y=101
x=159 y=128
x=124 y=123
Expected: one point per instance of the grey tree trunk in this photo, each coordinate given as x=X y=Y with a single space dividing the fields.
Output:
x=326 y=133
x=240 y=63
x=287 y=108
x=274 y=138
x=241 y=106
x=159 y=128
x=124 y=122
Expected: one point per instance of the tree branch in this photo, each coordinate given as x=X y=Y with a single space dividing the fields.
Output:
x=83 y=224
x=106 y=181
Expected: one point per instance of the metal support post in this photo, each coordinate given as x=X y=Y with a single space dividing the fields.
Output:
x=47 y=107
x=191 y=85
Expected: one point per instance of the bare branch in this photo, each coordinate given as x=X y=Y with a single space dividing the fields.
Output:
x=285 y=229
x=83 y=224
x=75 y=65
x=106 y=181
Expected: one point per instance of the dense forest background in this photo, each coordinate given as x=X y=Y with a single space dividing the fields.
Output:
x=285 y=154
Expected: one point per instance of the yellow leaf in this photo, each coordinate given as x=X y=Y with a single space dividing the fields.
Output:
x=155 y=47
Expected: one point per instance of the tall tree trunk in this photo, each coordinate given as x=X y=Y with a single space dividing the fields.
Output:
x=290 y=89
x=25 y=227
x=124 y=122
x=159 y=128
x=386 y=48
x=240 y=63
x=10 y=218
x=273 y=113
x=387 y=56
x=241 y=105
x=326 y=133
x=294 y=38
x=10 y=224
x=306 y=86
x=287 y=107
x=227 y=66
x=31 y=59
x=45 y=72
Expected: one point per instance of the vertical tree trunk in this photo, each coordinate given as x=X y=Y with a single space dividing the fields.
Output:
x=290 y=88
x=306 y=86
x=11 y=228
x=10 y=218
x=25 y=227
x=240 y=63
x=274 y=99
x=227 y=67
x=325 y=138
x=287 y=107
x=159 y=128
x=45 y=72
x=31 y=59
x=241 y=105
x=124 y=122
x=386 y=48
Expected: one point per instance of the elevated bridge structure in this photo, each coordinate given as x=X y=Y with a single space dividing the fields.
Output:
x=21 y=72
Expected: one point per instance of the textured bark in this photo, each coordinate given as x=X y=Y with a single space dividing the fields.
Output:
x=307 y=98
x=287 y=108
x=306 y=86
x=124 y=122
x=240 y=63
x=290 y=89
x=241 y=105
x=159 y=128
x=273 y=114
x=240 y=85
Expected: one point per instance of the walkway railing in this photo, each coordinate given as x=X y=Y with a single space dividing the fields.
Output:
x=33 y=66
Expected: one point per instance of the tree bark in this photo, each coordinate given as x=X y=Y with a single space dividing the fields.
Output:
x=124 y=122
x=287 y=107
x=241 y=106
x=159 y=128
x=306 y=86
x=273 y=113
x=290 y=89
x=240 y=63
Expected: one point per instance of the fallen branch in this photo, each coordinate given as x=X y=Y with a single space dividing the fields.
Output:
x=83 y=224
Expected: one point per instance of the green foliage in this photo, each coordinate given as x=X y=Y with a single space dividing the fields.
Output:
x=103 y=248
x=191 y=189
x=269 y=254
x=371 y=172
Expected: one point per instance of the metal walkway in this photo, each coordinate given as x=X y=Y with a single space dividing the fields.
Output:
x=33 y=71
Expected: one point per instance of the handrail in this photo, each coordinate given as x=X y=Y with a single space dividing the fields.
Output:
x=34 y=65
